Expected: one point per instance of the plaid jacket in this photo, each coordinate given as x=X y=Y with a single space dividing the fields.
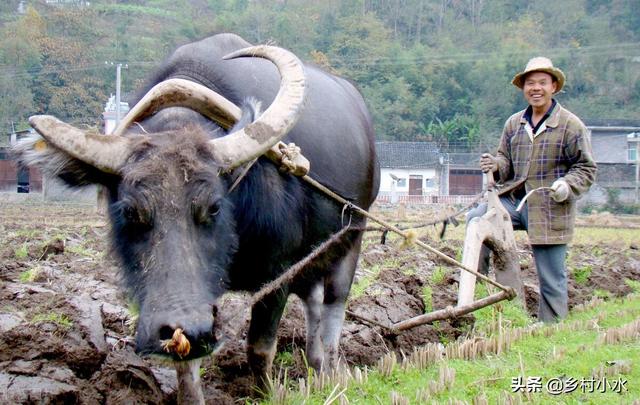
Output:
x=560 y=149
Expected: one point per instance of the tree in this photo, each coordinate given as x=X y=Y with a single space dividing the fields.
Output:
x=20 y=57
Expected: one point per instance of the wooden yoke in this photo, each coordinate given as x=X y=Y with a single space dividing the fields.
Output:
x=494 y=229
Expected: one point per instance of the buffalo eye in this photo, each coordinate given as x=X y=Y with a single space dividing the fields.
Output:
x=206 y=214
x=134 y=219
x=214 y=209
x=135 y=216
x=131 y=214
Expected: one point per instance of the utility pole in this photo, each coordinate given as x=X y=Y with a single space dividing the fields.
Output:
x=102 y=196
x=445 y=161
x=14 y=135
x=636 y=139
x=119 y=67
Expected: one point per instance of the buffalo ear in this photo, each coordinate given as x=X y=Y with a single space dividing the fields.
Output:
x=55 y=162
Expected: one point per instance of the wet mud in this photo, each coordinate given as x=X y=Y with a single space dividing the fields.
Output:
x=66 y=332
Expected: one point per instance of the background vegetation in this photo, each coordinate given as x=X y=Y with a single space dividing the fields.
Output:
x=429 y=69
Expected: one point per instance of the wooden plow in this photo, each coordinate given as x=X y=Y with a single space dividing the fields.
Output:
x=494 y=230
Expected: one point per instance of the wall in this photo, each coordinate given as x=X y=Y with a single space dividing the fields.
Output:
x=386 y=181
x=619 y=176
x=609 y=148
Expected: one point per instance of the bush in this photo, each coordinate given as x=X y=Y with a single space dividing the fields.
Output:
x=615 y=206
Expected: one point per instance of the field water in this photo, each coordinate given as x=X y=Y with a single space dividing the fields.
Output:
x=66 y=333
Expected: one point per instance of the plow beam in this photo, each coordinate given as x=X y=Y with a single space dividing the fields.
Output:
x=494 y=230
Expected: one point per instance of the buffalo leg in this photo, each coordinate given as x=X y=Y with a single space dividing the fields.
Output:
x=313 y=314
x=337 y=286
x=189 y=388
x=261 y=339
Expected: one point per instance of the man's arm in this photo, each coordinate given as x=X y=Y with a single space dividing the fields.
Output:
x=582 y=172
x=503 y=157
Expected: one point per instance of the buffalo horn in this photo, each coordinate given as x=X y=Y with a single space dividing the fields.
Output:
x=107 y=153
x=182 y=93
x=256 y=138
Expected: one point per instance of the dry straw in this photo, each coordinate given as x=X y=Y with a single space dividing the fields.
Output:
x=625 y=333
x=398 y=399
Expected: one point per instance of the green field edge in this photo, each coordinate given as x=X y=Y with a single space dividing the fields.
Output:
x=570 y=353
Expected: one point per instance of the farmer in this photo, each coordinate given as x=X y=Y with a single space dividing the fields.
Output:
x=545 y=148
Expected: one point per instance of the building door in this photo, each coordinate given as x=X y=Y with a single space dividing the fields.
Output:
x=415 y=184
x=23 y=180
x=465 y=182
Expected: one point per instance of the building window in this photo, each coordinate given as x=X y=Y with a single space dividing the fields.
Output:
x=429 y=183
x=633 y=142
x=402 y=182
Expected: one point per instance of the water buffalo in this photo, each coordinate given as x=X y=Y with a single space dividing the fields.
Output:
x=182 y=236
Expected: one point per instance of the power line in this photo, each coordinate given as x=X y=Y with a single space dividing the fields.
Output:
x=600 y=50
x=47 y=71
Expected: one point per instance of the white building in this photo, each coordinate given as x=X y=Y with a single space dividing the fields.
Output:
x=408 y=169
x=109 y=114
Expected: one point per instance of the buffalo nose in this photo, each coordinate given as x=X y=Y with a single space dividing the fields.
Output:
x=190 y=342
x=178 y=343
x=181 y=340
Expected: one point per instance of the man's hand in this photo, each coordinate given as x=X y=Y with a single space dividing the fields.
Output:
x=559 y=190
x=488 y=163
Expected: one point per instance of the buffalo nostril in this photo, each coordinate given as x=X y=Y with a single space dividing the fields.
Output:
x=178 y=344
x=166 y=332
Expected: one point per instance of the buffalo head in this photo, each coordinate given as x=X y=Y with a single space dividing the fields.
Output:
x=172 y=223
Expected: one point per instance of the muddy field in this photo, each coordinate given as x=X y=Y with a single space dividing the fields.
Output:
x=66 y=331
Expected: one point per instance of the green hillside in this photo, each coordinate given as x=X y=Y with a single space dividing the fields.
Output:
x=429 y=69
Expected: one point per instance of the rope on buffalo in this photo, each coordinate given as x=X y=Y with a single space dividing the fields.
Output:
x=179 y=343
x=449 y=219
x=407 y=235
x=293 y=271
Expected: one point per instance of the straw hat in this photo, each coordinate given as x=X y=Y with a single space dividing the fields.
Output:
x=540 y=64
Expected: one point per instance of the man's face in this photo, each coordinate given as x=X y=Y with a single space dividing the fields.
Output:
x=538 y=90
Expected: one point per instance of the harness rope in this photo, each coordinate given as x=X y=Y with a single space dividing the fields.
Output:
x=290 y=274
x=405 y=235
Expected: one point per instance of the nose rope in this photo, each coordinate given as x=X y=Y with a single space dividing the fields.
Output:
x=347 y=206
x=178 y=344
x=519 y=208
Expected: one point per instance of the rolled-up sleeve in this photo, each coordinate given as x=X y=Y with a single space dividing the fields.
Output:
x=505 y=166
x=582 y=172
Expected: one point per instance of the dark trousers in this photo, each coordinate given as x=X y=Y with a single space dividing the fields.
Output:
x=549 y=259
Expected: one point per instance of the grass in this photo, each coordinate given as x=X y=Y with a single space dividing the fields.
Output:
x=81 y=250
x=581 y=274
x=358 y=288
x=503 y=314
x=594 y=236
x=52 y=317
x=439 y=275
x=29 y=276
x=633 y=284
x=22 y=252
x=427 y=298
x=371 y=274
x=583 y=235
x=284 y=359
x=28 y=233
x=604 y=294
x=571 y=352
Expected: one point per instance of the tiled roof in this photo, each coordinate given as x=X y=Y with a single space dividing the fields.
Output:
x=407 y=154
x=622 y=122
x=465 y=159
